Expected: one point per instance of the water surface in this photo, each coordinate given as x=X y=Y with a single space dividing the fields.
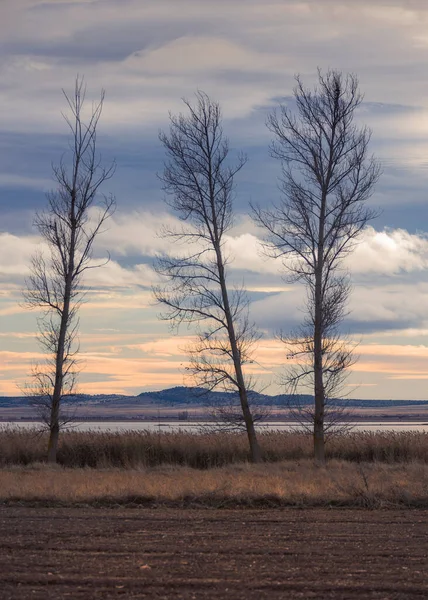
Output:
x=197 y=426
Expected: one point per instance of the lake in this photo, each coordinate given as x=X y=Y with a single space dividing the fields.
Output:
x=194 y=427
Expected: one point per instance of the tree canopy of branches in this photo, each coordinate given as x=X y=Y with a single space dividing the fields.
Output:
x=199 y=184
x=327 y=177
x=75 y=214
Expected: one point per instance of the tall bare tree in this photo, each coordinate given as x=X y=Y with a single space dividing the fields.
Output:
x=74 y=216
x=199 y=184
x=327 y=177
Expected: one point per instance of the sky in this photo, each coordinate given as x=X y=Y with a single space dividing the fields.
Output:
x=148 y=55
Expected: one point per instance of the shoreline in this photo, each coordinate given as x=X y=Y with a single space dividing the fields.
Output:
x=396 y=419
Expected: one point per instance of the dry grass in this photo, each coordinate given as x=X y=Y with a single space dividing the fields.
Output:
x=133 y=449
x=183 y=469
x=300 y=483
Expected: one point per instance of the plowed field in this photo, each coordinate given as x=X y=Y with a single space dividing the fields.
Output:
x=240 y=554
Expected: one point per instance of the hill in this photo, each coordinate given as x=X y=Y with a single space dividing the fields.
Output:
x=191 y=403
x=196 y=396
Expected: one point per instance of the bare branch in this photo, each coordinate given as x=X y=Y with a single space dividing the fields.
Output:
x=198 y=180
x=55 y=283
x=327 y=177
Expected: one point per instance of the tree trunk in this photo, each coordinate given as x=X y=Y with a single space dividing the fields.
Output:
x=59 y=362
x=243 y=396
x=256 y=455
x=59 y=378
x=319 y=438
x=319 y=392
x=53 y=442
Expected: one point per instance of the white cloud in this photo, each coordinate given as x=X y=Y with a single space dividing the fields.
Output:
x=15 y=259
x=393 y=306
x=15 y=255
x=386 y=252
x=246 y=253
x=373 y=308
x=136 y=233
x=115 y=276
x=389 y=252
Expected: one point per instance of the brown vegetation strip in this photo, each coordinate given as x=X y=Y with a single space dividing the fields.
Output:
x=88 y=554
x=133 y=449
x=300 y=483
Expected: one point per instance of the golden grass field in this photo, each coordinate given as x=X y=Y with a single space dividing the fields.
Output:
x=182 y=469
x=292 y=483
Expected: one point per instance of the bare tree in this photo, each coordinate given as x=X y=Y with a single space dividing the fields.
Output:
x=227 y=415
x=74 y=217
x=338 y=414
x=327 y=176
x=199 y=183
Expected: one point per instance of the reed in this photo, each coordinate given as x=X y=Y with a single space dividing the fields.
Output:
x=135 y=449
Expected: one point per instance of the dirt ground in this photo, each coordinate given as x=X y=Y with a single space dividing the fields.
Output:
x=240 y=554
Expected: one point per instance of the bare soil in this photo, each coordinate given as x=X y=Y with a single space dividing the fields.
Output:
x=78 y=553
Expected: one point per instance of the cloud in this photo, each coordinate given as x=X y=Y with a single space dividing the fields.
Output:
x=15 y=261
x=389 y=252
x=133 y=241
x=148 y=55
x=386 y=253
x=198 y=54
x=113 y=275
x=373 y=308
x=137 y=233
x=160 y=362
x=15 y=256
x=157 y=53
x=246 y=254
x=279 y=312
x=390 y=306
x=11 y=180
x=382 y=253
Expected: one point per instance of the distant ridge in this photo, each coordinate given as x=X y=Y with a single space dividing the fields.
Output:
x=200 y=397
x=195 y=395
